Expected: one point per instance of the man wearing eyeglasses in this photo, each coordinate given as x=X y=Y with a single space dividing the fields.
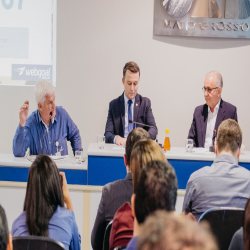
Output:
x=208 y=117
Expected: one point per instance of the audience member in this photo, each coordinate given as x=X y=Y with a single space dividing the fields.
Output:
x=5 y=236
x=241 y=239
x=114 y=194
x=44 y=213
x=225 y=183
x=156 y=190
x=166 y=231
x=143 y=152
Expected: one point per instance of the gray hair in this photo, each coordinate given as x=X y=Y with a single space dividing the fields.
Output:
x=43 y=88
x=166 y=231
x=217 y=76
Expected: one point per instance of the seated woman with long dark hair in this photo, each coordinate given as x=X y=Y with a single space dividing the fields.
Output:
x=44 y=212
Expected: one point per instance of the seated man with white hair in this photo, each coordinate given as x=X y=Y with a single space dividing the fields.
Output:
x=47 y=129
x=209 y=116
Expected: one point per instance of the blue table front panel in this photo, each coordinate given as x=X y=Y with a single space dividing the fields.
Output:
x=105 y=169
x=184 y=169
x=74 y=177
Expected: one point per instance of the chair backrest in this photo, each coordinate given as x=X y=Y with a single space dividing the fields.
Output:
x=36 y=243
x=224 y=222
x=106 y=236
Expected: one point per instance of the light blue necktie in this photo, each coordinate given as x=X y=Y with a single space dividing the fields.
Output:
x=130 y=125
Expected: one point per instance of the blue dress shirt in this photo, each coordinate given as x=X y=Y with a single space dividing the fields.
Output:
x=126 y=115
x=126 y=132
x=62 y=227
x=37 y=136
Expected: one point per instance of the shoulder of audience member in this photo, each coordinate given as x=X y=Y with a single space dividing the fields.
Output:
x=19 y=221
x=112 y=186
x=65 y=214
x=199 y=173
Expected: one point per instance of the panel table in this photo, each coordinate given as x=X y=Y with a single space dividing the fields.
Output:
x=106 y=165
x=16 y=169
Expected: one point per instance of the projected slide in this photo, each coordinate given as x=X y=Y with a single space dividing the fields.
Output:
x=27 y=42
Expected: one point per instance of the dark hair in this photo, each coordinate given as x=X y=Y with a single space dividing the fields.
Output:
x=246 y=229
x=156 y=189
x=134 y=136
x=4 y=231
x=229 y=136
x=43 y=195
x=131 y=66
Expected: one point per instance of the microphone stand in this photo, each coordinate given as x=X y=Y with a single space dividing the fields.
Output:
x=149 y=126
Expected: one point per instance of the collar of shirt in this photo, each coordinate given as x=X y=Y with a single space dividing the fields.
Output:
x=41 y=120
x=126 y=114
x=216 y=107
x=126 y=100
x=226 y=158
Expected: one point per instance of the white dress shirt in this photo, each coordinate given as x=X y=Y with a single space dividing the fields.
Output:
x=126 y=115
x=211 y=120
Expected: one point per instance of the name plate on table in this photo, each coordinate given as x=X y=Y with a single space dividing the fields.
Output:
x=202 y=18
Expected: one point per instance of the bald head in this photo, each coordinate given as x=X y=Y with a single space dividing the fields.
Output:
x=216 y=77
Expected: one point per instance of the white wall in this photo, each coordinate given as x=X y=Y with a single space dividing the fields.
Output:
x=96 y=39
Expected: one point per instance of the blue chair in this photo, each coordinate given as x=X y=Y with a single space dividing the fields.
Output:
x=36 y=243
x=224 y=222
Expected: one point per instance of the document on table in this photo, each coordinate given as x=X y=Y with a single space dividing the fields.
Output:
x=53 y=157
x=201 y=150
x=119 y=147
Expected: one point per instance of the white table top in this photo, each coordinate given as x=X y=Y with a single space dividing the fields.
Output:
x=66 y=163
x=176 y=153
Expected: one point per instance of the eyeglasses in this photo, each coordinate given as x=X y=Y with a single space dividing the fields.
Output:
x=209 y=90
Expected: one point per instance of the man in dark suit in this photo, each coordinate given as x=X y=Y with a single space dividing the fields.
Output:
x=116 y=193
x=129 y=106
x=208 y=117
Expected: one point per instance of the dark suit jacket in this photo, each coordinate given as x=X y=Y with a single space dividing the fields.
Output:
x=198 y=128
x=116 y=117
x=114 y=194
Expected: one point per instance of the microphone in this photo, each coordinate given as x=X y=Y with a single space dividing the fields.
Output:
x=142 y=124
x=150 y=126
x=50 y=114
